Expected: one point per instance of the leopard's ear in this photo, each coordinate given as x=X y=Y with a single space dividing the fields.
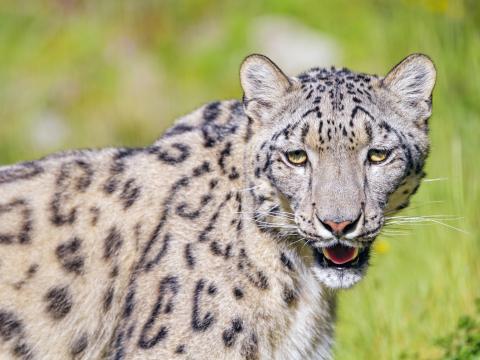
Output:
x=412 y=81
x=263 y=84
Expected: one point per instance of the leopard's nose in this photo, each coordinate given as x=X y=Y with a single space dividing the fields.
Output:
x=340 y=228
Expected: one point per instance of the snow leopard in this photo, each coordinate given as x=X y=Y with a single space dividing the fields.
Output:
x=227 y=238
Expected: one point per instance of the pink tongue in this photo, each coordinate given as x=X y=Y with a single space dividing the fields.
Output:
x=340 y=254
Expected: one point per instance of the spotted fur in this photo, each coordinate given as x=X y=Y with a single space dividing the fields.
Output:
x=183 y=249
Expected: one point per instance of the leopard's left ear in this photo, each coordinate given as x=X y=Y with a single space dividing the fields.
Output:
x=412 y=81
x=263 y=84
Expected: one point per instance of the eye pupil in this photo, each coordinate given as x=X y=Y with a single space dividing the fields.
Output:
x=297 y=157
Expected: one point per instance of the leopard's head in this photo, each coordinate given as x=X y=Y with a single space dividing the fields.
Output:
x=333 y=153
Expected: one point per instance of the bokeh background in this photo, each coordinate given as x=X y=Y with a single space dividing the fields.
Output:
x=103 y=73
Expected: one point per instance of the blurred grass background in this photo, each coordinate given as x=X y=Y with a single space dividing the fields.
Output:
x=100 y=73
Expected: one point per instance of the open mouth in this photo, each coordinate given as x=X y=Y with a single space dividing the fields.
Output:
x=341 y=256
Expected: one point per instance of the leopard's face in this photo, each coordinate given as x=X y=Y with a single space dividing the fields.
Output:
x=342 y=150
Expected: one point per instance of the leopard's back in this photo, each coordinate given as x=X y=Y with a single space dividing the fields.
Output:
x=97 y=246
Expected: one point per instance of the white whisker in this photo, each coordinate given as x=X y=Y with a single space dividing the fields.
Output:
x=435 y=179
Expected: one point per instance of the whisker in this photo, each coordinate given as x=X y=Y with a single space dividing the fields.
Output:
x=425 y=220
x=435 y=179
x=416 y=206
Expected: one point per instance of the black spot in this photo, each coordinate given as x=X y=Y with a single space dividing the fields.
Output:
x=200 y=323
x=213 y=184
x=203 y=236
x=228 y=337
x=23 y=171
x=211 y=111
x=230 y=334
x=289 y=295
x=238 y=293
x=74 y=177
x=286 y=261
x=183 y=208
x=249 y=349
x=23 y=234
x=168 y=287
x=214 y=132
x=79 y=345
x=10 y=325
x=114 y=272
x=201 y=169
x=180 y=349
x=212 y=289
x=59 y=302
x=22 y=350
x=248 y=132
x=108 y=299
x=129 y=303
x=255 y=276
x=32 y=270
x=95 y=212
x=234 y=174
x=189 y=256
x=161 y=253
x=305 y=130
x=112 y=243
x=226 y=151
x=68 y=253
x=130 y=193
x=178 y=129
x=116 y=169
x=169 y=158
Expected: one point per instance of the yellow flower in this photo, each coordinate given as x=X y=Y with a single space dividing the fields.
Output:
x=381 y=246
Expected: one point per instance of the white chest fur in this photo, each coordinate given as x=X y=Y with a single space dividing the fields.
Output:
x=311 y=334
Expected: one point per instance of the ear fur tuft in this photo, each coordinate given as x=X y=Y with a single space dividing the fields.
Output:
x=263 y=84
x=413 y=80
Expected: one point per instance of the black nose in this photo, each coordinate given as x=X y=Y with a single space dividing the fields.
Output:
x=340 y=228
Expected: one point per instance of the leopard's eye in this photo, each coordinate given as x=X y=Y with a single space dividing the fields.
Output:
x=297 y=157
x=376 y=156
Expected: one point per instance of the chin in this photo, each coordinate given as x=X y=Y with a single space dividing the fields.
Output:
x=340 y=266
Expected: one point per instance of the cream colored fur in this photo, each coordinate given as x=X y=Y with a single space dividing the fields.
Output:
x=163 y=252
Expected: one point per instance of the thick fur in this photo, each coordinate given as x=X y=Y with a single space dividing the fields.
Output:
x=179 y=250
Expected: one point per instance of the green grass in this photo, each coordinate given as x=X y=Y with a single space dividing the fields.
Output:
x=119 y=72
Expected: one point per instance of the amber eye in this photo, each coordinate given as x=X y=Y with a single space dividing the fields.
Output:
x=297 y=157
x=376 y=156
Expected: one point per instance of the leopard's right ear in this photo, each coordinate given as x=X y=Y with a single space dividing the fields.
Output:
x=263 y=84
